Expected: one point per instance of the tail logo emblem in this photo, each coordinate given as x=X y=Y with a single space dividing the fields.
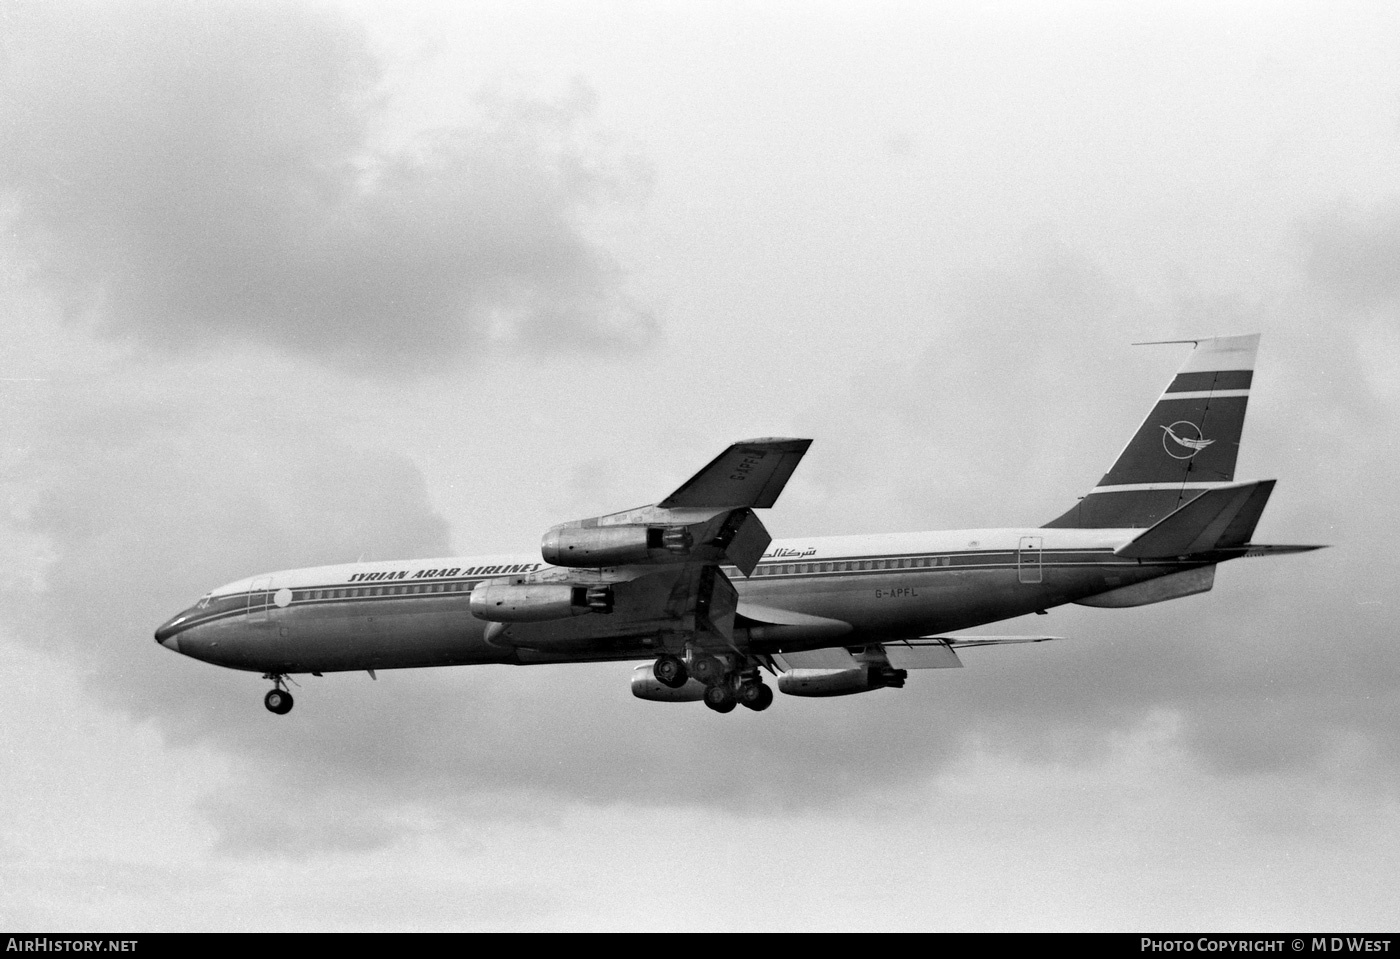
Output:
x=1187 y=445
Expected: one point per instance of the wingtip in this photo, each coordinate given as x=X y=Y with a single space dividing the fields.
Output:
x=1197 y=340
x=772 y=440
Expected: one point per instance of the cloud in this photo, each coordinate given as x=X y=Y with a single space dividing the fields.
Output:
x=193 y=174
x=143 y=501
x=1356 y=257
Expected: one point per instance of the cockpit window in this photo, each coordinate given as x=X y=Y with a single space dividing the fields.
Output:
x=204 y=601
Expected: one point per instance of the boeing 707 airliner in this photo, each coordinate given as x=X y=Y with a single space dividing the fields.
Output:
x=695 y=587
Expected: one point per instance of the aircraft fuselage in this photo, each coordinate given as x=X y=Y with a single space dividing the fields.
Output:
x=401 y=614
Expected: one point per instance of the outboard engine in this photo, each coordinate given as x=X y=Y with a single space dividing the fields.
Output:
x=841 y=682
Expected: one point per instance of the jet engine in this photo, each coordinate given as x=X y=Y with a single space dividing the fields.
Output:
x=645 y=685
x=615 y=545
x=653 y=536
x=525 y=602
x=841 y=682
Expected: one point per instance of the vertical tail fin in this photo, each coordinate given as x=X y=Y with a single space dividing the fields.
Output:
x=1187 y=444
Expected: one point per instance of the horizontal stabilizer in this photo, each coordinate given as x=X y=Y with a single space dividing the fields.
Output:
x=1220 y=518
x=751 y=473
x=1277 y=549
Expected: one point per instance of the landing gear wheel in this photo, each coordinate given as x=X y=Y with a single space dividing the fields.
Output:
x=670 y=671
x=720 y=698
x=707 y=669
x=278 y=701
x=757 y=697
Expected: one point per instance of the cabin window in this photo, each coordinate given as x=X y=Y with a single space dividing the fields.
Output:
x=826 y=567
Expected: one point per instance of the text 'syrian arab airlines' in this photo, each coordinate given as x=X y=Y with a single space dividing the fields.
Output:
x=695 y=587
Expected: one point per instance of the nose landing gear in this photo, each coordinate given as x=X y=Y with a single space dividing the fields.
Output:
x=278 y=700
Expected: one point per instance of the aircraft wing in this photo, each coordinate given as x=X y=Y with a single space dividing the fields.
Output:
x=926 y=652
x=750 y=473
x=655 y=570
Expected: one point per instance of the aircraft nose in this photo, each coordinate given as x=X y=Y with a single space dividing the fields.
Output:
x=166 y=635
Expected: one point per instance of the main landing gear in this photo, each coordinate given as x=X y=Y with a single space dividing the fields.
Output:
x=670 y=671
x=278 y=700
x=726 y=686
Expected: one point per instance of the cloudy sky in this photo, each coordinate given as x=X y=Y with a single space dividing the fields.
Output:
x=293 y=283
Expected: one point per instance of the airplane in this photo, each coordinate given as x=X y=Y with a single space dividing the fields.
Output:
x=695 y=588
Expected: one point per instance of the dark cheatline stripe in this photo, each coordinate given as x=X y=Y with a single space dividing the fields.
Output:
x=1215 y=380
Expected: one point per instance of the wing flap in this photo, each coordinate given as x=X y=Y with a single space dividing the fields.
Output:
x=766 y=624
x=831 y=657
x=907 y=655
x=963 y=642
x=926 y=652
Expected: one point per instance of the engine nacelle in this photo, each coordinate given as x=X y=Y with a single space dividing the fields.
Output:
x=840 y=682
x=645 y=685
x=598 y=546
x=537 y=602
